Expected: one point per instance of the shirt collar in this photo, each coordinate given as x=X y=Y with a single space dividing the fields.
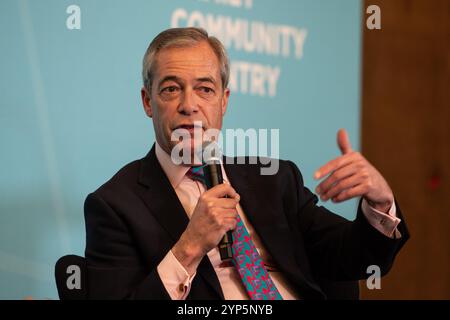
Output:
x=174 y=172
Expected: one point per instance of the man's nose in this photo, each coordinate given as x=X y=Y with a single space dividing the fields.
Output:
x=188 y=104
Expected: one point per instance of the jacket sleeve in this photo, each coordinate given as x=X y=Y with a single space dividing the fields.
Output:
x=113 y=267
x=339 y=249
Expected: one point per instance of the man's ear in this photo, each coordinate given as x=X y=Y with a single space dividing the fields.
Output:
x=145 y=96
x=226 y=95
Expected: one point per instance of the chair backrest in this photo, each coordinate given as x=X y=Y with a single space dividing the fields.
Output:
x=70 y=276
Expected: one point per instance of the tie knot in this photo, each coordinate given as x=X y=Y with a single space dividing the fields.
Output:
x=196 y=173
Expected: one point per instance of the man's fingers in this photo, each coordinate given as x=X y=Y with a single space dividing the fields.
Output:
x=346 y=149
x=225 y=203
x=226 y=213
x=337 y=175
x=230 y=224
x=228 y=218
x=353 y=192
x=221 y=191
x=342 y=185
x=343 y=141
x=332 y=166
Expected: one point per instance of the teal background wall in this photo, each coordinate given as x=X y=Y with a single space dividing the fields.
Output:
x=71 y=116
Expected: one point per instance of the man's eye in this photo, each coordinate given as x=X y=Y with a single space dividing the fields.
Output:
x=170 y=89
x=207 y=90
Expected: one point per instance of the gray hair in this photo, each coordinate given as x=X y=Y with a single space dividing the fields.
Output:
x=181 y=38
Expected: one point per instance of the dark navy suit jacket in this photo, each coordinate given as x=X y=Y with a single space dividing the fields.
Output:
x=135 y=218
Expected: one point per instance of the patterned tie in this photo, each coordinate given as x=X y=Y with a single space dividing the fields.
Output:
x=246 y=258
x=196 y=173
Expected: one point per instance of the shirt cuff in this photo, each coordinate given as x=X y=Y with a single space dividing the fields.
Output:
x=384 y=223
x=174 y=276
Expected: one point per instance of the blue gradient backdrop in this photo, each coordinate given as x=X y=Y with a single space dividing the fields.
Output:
x=71 y=116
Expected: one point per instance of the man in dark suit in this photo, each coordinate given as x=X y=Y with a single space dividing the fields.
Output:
x=153 y=229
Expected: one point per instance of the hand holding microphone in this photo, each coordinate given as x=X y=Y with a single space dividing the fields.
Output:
x=214 y=216
x=213 y=177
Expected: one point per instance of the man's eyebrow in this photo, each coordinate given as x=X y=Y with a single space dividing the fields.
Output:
x=169 y=78
x=179 y=80
x=207 y=79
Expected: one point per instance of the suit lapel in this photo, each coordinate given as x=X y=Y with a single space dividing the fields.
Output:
x=259 y=212
x=162 y=200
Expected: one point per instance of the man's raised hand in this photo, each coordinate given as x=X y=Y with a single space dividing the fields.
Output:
x=351 y=175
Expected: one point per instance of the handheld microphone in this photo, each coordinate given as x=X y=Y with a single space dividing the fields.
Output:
x=213 y=177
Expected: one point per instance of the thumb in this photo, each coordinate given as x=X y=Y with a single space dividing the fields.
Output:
x=343 y=141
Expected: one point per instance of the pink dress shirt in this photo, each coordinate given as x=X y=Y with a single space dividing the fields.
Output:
x=176 y=279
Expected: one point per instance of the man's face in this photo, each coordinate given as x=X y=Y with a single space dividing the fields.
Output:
x=186 y=87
